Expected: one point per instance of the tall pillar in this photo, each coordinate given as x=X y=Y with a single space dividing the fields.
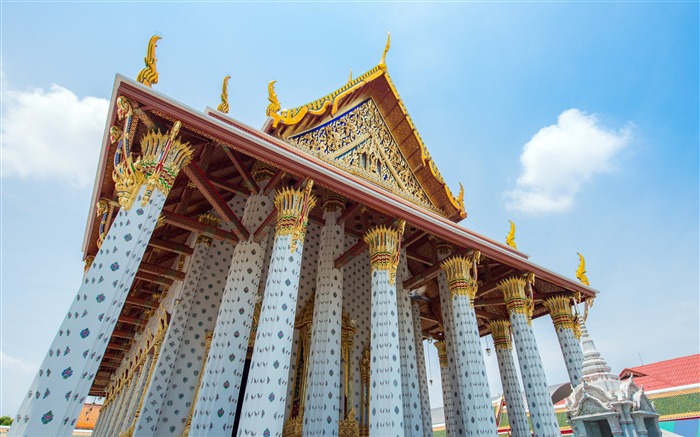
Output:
x=56 y=395
x=448 y=406
x=517 y=415
x=266 y=390
x=215 y=410
x=544 y=422
x=560 y=309
x=157 y=386
x=422 y=376
x=385 y=403
x=477 y=413
x=412 y=415
x=323 y=381
x=450 y=383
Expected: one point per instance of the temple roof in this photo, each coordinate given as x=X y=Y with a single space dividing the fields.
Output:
x=666 y=374
x=422 y=183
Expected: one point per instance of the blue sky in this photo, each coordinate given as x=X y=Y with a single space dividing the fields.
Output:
x=578 y=121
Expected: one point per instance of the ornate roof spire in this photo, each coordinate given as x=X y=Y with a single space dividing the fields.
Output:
x=382 y=63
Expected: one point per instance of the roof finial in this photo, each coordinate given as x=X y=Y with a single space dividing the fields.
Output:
x=149 y=75
x=581 y=270
x=223 y=106
x=510 y=239
x=350 y=78
x=274 y=105
x=386 y=49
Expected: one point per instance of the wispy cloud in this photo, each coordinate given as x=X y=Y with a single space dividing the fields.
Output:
x=560 y=159
x=51 y=135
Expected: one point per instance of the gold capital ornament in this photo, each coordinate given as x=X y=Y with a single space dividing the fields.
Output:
x=442 y=352
x=560 y=309
x=385 y=248
x=517 y=301
x=500 y=332
x=293 y=207
x=459 y=277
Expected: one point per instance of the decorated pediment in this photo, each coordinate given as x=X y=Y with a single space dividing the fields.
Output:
x=360 y=142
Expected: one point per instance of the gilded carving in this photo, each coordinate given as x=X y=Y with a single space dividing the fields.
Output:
x=223 y=106
x=149 y=75
x=517 y=301
x=293 y=207
x=360 y=142
x=510 y=239
x=459 y=277
x=385 y=248
x=581 y=270
x=500 y=332
x=560 y=309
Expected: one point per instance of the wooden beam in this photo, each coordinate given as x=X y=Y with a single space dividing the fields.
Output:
x=162 y=271
x=131 y=320
x=197 y=226
x=120 y=347
x=118 y=333
x=171 y=246
x=418 y=235
x=200 y=179
x=242 y=169
x=427 y=274
x=228 y=186
x=351 y=253
x=349 y=212
x=261 y=231
x=419 y=258
x=272 y=183
x=141 y=302
x=153 y=278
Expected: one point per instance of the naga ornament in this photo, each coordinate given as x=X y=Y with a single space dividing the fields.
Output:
x=149 y=75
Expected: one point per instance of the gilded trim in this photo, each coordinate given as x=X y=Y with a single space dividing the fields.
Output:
x=500 y=332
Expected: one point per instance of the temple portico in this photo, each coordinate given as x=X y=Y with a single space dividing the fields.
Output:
x=282 y=281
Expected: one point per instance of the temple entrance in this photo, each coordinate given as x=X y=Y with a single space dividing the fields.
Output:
x=598 y=428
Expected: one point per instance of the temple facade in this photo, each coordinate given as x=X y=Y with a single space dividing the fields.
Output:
x=281 y=281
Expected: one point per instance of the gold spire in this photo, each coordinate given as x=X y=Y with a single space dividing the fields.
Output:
x=350 y=78
x=382 y=63
x=274 y=105
x=149 y=75
x=510 y=239
x=581 y=270
x=223 y=106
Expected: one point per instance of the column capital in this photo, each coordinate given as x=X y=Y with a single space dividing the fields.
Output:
x=293 y=207
x=333 y=202
x=560 y=309
x=500 y=332
x=442 y=352
x=262 y=171
x=162 y=157
x=517 y=301
x=385 y=248
x=207 y=219
x=88 y=262
x=459 y=278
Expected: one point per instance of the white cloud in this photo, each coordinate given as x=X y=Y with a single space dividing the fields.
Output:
x=560 y=159
x=52 y=135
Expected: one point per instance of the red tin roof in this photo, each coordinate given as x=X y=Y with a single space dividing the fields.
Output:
x=665 y=374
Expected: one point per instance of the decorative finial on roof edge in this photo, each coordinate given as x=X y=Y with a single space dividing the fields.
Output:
x=274 y=105
x=382 y=63
x=223 y=106
x=149 y=75
x=581 y=270
x=510 y=239
x=350 y=78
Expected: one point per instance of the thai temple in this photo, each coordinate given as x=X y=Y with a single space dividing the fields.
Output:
x=281 y=282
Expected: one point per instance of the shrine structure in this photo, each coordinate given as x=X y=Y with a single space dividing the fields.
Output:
x=281 y=281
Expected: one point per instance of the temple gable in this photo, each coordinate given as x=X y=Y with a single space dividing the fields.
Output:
x=360 y=142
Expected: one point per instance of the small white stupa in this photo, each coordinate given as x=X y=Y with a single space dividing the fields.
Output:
x=603 y=406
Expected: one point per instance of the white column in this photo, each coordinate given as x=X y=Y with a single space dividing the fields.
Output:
x=135 y=401
x=385 y=402
x=450 y=383
x=563 y=319
x=157 y=387
x=57 y=394
x=517 y=415
x=544 y=421
x=448 y=406
x=412 y=417
x=178 y=404
x=477 y=412
x=321 y=412
x=218 y=394
x=266 y=390
x=422 y=375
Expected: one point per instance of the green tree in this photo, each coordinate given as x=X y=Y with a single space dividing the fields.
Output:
x=5 y=420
